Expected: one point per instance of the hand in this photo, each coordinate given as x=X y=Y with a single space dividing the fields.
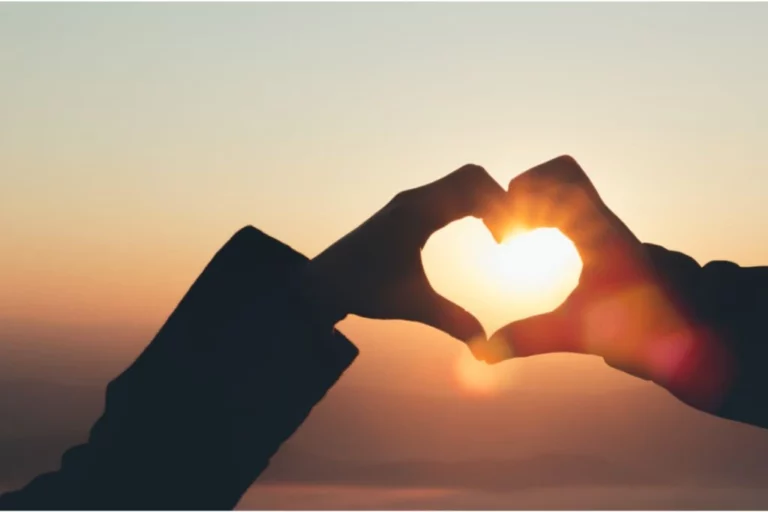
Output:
x=622 y=309
x=376 y=270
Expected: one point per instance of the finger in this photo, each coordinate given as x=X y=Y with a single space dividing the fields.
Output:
x=468 y=191
x=541 y=334
x=440 y=313
x=548 y=334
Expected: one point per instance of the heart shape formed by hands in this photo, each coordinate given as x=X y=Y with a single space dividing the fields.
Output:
x=527 y=273
x=620 y=309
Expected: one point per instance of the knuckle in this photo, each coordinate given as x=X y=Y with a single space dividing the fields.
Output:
x=473 y=171
x=471 y=177
x=402 y=197
x=402 y=205
x=566 y=160
x=557 y=172
x=569 y=168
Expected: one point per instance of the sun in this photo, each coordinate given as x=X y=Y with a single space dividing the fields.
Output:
x=533 y=262
x=478 y=378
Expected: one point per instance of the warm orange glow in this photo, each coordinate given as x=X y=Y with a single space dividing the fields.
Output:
x=478 y=377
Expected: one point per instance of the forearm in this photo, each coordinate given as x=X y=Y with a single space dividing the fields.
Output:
x=726 y=306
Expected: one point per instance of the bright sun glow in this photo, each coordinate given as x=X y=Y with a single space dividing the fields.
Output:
x=533 y=262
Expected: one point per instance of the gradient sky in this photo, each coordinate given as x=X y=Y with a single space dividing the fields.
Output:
x=135 y=139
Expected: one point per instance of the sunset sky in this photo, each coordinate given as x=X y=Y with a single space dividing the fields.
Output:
x=135 y=139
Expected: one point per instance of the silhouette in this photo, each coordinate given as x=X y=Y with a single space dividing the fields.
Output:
x=252 y=347
x=249 y=351
x=699 y=332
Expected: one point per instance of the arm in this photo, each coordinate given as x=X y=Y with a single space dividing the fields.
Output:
x=731 y=303
x=193 y=421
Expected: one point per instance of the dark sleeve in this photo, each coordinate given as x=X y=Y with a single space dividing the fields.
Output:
x=195 y=419
x=728 y=305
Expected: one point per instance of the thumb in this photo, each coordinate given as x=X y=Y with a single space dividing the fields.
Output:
x=440 y=313
x=541 y=334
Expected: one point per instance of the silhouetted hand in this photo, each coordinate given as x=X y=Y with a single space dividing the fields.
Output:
x=376 y=270
x=653 y=313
